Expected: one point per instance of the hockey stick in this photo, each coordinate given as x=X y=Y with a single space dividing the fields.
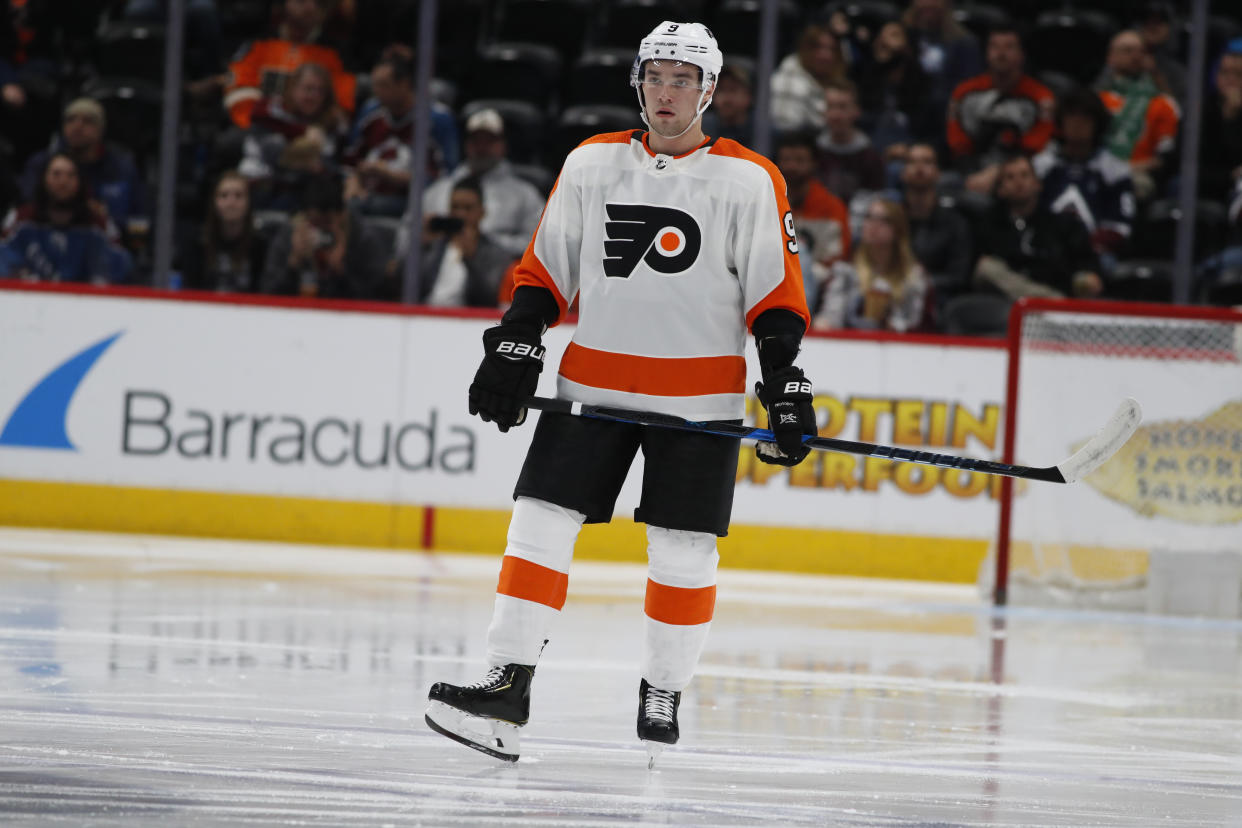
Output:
x=1087 y=459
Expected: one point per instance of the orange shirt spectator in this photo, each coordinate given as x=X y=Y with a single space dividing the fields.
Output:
x=262 y=66
x=984 y=117
x=1158 y=132
x=998 y=113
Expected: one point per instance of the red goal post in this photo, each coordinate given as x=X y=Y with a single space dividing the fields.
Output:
x=1169 y=501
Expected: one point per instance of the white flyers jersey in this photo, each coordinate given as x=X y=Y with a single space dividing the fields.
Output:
x=671 y=259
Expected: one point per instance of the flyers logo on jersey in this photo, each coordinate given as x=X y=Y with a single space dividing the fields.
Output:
x=667 y=240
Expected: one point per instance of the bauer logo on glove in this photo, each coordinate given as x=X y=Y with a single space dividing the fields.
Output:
x=512 y=360
x=786 y=394
x=520 y=350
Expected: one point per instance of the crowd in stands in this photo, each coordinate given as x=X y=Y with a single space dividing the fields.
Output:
x=942 y=159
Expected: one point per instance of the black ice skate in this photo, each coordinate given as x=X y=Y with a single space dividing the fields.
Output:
x=657 y=719
x=486 y=715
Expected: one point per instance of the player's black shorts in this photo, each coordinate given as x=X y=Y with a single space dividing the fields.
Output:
x=580 y=463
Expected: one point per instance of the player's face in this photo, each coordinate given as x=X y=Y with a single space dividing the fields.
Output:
x=671 y=94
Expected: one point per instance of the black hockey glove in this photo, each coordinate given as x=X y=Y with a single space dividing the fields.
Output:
x=508 y=375
x=786 y=394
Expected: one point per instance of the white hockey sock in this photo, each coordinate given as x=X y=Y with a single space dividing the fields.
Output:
x=681 y=596
x=534 y=576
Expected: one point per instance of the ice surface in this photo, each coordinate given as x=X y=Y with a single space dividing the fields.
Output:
x=147 y=681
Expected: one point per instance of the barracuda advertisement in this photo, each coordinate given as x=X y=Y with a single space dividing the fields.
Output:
x=355 y=406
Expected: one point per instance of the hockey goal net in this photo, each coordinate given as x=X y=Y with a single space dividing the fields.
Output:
x=1159 y=527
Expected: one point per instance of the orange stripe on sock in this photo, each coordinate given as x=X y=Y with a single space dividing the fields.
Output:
x=519 y=578
x=679 y=605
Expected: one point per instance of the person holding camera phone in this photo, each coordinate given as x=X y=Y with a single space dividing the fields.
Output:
x=324 y=251
x=513 y=202
x=462 y=266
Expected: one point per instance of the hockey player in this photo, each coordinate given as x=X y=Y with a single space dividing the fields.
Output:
x=675 y=245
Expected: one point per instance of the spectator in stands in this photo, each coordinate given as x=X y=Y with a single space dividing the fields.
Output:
x=1145 y=118
x=108 y=171
x=1082 y=178
x=325 y=251
x=821 y=219
x=799 y=82
x=1027 y=250
x=379 y=152
x=462 y=266
x=1220 y=161
x=849 y=164
x=513 y=204
x=883 y=287
x=999 y=112
x=61 y=235
x=202 y=45
x=10 y=195
x=1155 y=23
x=35 y=37
x=12 y=95
x=1220 y=147
x=894 y=93
x=939 y=236
x=947 y=51
x=384 y=132
x=731 y=114
x=227 y=255
x=262 y=67
x=292 y=136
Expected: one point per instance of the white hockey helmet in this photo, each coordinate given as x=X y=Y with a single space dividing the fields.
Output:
x=681 y=42
x=691 y=43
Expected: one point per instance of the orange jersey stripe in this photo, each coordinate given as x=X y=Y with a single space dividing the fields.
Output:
x=679 y=605
x=519 y=578
x=789 y=294
x=530 y=271
x=658 y=376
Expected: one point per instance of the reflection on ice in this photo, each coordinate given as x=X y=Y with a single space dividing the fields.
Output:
x=146 y=681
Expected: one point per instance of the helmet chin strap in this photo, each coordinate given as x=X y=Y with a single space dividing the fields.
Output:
x=700 y=108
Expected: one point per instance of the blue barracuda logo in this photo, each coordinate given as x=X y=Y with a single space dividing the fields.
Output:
x=38 y=421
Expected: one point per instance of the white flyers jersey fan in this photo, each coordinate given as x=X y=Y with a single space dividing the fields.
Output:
x=671 y=259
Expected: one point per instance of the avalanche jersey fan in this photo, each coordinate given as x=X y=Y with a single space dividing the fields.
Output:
x=675 y=246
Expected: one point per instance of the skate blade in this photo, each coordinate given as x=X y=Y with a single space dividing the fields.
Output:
x=654 y=749
x=491 y=736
